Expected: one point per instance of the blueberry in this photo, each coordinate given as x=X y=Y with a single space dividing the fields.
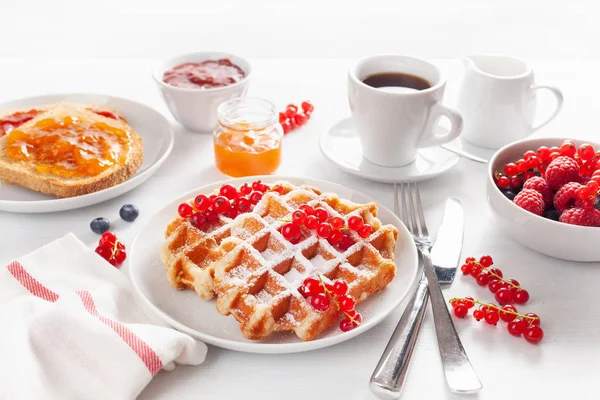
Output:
x=100 y=225
x=597 y=203
x=129 y=212
x=509 y=194
x=551 y=214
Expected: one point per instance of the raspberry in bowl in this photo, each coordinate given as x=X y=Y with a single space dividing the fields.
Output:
x=543 y=193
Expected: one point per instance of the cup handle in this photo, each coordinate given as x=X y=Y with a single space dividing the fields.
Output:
x=559 y=104
x=429 y=137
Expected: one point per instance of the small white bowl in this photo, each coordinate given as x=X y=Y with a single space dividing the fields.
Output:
x=555 y=239
x=196 y=109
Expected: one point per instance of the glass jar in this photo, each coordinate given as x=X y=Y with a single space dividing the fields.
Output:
x=248 y=139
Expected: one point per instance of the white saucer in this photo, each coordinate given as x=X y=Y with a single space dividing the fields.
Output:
x=341 y=145
x=153 y=128
x=187 y=312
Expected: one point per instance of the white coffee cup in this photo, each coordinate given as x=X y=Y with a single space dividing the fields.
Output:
x=393 y=123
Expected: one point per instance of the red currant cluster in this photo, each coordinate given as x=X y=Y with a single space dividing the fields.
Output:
x=321 y=295
x=506 y=291
x=527 y=325
x=331 y=228
x=111 y=249
x=230 y=202
x=291 y=118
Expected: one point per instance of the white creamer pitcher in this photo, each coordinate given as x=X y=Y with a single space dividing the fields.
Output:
x=497 y=100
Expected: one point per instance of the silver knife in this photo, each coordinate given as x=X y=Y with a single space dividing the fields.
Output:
x=388 y=377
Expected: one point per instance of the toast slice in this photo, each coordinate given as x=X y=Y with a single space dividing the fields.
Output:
x=25 y=173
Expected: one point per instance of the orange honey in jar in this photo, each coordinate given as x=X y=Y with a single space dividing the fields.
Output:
x=248 y=139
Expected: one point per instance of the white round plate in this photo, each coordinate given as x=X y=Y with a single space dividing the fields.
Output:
x=187 y=312
x=341 y=145
x=154 y=129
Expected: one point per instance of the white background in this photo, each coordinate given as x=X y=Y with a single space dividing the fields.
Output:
x=300 y=51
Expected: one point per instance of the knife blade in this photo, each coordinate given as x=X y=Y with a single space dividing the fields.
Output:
x=445 y=253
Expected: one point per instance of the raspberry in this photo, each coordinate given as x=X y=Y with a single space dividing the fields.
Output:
x=530 y=200
x=561 y=171
x=540 y=185
x=565 y=197
x=579 y=216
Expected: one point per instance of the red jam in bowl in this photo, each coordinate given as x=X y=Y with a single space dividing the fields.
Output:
x=205 y=75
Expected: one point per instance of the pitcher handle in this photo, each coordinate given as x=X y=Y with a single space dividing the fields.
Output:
x=559 y=104
x=429 y=138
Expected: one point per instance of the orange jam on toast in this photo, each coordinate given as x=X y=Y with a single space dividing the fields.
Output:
x=70 y=147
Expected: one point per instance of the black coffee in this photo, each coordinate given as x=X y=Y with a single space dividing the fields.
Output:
x=397 y=79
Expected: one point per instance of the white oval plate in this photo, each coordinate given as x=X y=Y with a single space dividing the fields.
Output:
x=154 y=129
x=187 y=312
x=341 y=146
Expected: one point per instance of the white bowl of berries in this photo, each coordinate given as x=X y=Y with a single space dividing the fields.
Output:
x=544 y=191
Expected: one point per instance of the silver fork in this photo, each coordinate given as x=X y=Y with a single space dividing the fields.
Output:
x=389 y=375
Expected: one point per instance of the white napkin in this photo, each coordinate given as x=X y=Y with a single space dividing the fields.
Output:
x=71 y=328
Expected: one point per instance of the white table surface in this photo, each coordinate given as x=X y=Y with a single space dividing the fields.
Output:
x=564 y=294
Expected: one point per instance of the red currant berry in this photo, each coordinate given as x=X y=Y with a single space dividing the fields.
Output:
x=504 y=296
x=586 y=151
x=185 y=210
x=483 y=278
x=255 y=197
x=290 y=232
x=514 y=282
x=107 y=239
x=228 y=191
x=307 y=106
x=486 y=261
x=300 y=119
x=197 y=220
x=320 y=302
x=257 y=185
x=455 y=302
x=592 y=187
x=201 y=202
x=211 y=198
x=494 y=285
x=282 y=117
x=516 y=327
x=346 y=325
x=521 y=166
x=211 y=216
x=469 y=302
x=104 y=252
x=507 y=317
x=466 y=269
x=336 y=223
x=245 y=189
x=516 y=182
x=528 y=154
x=496 y=271
x=543 y=153
x=502 y=182
x=355 y=222
x=321 y=214
x=491 y=316
x=221 y=204
x=303 y=292
x=533 y=320
x=340 y=288
x=470 y=260
x=286 y=127
x=521 y=296
x=307 y=209
x=587 y=168
x=365 y=231
x=231 y=212
x=533 y=334
x=478 y=315
x=291 y=110
x=336 y=237
x=120 y=256
x=568 y=149
x=461 y=311
x=312 y=286
x=533 y=162
x=475 y=270
x=298 y=217
x=346 y=243
x=346 y=303
x=243 y=204
x=324 y=230
x=112 y=261
x=528 y=175
x=510 y=169
x=311 y=222
x=351 y=322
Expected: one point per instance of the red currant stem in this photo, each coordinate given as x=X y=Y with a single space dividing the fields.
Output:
x=496 y=276
x=457 y=299
x=332 y=298
x=114 y=249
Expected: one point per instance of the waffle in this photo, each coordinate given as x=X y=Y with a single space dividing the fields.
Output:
x=255 y=273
